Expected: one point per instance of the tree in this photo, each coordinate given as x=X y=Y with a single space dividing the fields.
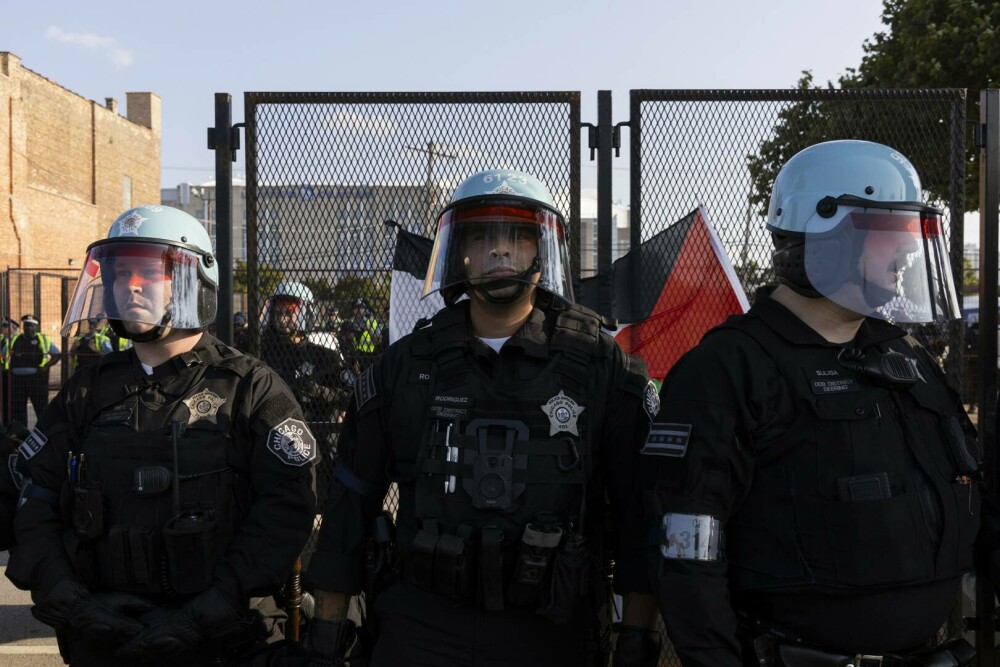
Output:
x=268 y=279
x=926 y=44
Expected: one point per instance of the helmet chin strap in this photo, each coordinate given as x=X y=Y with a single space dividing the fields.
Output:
x=520 y=281
x=118 y=326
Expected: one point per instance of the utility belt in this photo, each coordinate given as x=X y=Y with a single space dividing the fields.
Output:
x=177 y=558
x=547 y=569
x=777 y=648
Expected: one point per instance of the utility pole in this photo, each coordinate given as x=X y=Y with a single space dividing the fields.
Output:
x=432 y=150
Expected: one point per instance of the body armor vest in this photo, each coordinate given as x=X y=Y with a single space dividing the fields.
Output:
x=870 y=486
x=494 y=456
x=125 y=500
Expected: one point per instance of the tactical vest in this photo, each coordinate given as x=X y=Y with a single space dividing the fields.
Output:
x=25 y=355
x=124 y=502
x=869 y=486
x=491 y=460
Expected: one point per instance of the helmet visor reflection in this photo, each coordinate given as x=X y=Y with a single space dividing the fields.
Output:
x=146 y=283
x=889 y=264
x=505 y=241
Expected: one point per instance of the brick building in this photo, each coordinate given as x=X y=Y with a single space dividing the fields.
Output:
x=68 y=167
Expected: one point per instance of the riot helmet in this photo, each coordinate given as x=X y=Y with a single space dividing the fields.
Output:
x=848 y=224
x=501 y=234
x=154 y=271
x=290 y=308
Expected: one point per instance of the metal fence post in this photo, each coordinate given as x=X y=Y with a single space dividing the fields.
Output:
x=605 y=225
x=989 y=216
x=220 y=140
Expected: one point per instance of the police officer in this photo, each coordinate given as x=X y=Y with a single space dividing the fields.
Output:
x=12 y=479
x=89 y=346
x=170 y=482
x=8 y=328
x=812 y=480
x=31 y=355
x=315 y=373
x=505 y=420
x=365 y=329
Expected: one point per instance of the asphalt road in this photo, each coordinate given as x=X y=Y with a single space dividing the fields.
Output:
x=23 y=640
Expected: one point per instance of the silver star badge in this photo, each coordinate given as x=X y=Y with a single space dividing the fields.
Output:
x=130 y=225
x=204 y=405
x=562 y=412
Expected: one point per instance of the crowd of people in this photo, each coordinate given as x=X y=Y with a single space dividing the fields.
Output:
x=803 y=489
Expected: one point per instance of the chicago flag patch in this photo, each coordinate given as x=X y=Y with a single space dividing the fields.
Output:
x=668 y=440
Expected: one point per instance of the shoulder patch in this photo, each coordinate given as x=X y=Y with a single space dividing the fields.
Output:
x=15 y=474
x=292 y=442
x=668 y=440
x=32 y=444
x=364 y=387
x=651 y=400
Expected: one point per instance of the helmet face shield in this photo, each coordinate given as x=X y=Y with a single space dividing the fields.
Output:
x=148 y=284
x=502 y=242
x=889 y=263
x=287 y=314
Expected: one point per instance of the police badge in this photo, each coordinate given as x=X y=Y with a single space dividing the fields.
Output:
x=204 y=405
x=562 y=412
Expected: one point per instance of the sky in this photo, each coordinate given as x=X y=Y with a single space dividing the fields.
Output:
x=185 y=51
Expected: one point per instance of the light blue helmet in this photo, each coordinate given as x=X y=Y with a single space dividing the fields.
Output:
x=849 y=224
x=295 y=299
x=155 y=270
x=500 y=234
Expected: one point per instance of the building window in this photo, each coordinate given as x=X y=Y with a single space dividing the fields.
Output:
x=127 y=191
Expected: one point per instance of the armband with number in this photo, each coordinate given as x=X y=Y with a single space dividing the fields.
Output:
x=691 y=537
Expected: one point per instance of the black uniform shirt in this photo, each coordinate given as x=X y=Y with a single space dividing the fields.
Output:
x=743 y=418
x=278 y=514
x=368 y=450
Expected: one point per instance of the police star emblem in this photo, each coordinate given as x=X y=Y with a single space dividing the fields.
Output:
x=204 y=405
x=563 y=412
x=130 y=224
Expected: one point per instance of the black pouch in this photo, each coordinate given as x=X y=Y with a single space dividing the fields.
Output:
x=188 y=540
x=454 y=565
x=567 y=587
x=88 y=510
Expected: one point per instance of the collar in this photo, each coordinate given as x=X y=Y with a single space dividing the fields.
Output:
x=532 y=338
x=787 y=325
x=205 y=351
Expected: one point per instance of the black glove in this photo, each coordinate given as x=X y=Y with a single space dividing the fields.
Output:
x=60 y=604
x=328 y=642
x=109 y=619
x=172 y=631
x=636 y=647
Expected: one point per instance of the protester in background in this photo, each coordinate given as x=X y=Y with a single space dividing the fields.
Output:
x=813 y=482
x=170 y=482
x=506 y=421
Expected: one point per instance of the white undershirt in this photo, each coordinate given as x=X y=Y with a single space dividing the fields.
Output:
x=148 y=369
x=495 y=343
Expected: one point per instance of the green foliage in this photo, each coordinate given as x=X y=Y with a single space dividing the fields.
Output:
x=926 y=44
x=269 y=277
x=321 y=289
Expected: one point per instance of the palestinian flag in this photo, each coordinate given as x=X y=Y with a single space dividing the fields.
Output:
x=670 y=291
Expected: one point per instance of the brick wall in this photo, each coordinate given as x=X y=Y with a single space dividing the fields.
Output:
x=65 y=164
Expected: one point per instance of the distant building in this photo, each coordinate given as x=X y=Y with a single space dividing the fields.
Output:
x=200 y=202
x=68 y=166
x=620 y=237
